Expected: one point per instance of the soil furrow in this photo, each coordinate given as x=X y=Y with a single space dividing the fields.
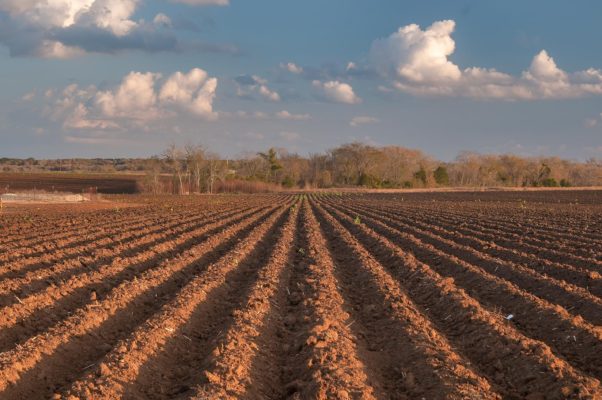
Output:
x=323 y=360
x=570 y=336
x=127 y=245
x=522 y=246
x=234 y=362
x=526 y=226
x=404 y=344
x=127 y=371
x=561 y=265
x=582 y=298
x=65 y=251
x=37 y=312
x=36 y=243
x=539 y=239
x=96 y=328
x=518 y=365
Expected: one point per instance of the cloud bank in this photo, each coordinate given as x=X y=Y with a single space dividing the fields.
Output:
x=417 y=62
x=140 y=98
x=69 y=28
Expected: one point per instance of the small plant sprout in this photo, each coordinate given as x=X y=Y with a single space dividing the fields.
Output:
x=357 y=220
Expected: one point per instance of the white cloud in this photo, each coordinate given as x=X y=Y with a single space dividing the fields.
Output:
x=135 y=98
x=139 y=99
x=111 y=15
x=69 y=28
x=249 y=84
x=292 y=68
x=417 y=55
x=417 y=62
x=337 y=91
x=268 y=94
x=363 y=120
x=293 y=117
x=162 y=20
x=193 y=91
x=54 y=49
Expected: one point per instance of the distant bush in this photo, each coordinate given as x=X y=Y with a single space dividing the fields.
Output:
x=565 y=183
x=288 y=182
x=441 y=176
x=420 y=175
x=549 y=182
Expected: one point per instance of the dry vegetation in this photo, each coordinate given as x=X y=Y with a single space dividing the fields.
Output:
x=194 y=169
x=446 y=295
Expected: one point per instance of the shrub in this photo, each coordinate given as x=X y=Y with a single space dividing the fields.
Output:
x=420 y=175
x=288 y=182
x=367 y=180
x=549 y=182
x=441 y=176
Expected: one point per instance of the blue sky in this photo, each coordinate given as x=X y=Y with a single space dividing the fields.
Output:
x=126 y=77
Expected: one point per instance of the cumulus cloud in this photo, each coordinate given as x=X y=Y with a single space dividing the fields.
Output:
x=139 y=99
x=250 y=85
x=363 y=120
x=292 y=68
x=293 y=117
x=417 y=62
x=194 y=92
x=337 y=91
x=70 y=28
x=417 y=55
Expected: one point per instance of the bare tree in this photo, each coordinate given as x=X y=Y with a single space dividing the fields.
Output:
x=196 y=161
x=175 y=160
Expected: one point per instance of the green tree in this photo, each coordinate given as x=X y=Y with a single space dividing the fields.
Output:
x=271 y=157
x=288 y=182
x=420 y=175
x=441 y=176
x=549 y=182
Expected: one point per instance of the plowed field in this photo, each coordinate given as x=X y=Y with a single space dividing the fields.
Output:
x=319 y=296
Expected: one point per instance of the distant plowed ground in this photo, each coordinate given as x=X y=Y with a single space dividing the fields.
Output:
x=317 y=296
x=70 y=182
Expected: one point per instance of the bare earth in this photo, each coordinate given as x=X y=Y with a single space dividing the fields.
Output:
x=304 y=296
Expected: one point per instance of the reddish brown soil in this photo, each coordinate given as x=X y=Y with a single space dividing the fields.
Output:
x=70 y=182
x=319 y=296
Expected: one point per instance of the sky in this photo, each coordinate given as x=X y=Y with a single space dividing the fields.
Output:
x=125 y=78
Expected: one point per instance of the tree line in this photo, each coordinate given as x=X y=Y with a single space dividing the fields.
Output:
x=196 y=169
